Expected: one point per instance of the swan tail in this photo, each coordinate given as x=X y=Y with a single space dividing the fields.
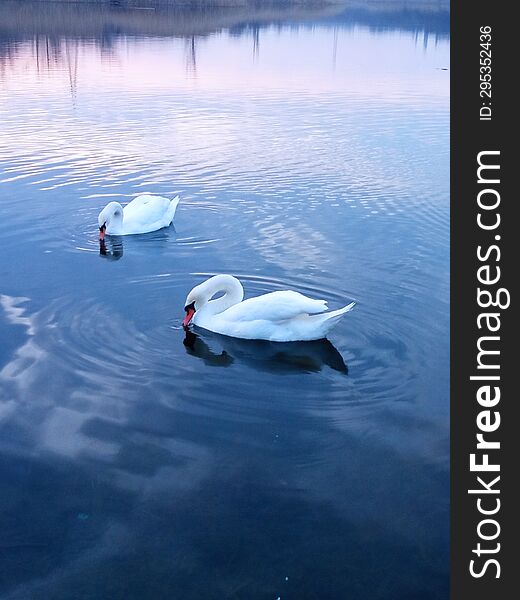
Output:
x=330 y=319
x=172 y=208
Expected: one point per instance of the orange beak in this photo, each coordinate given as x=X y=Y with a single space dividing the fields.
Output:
x=189 y=316
x=102 y=230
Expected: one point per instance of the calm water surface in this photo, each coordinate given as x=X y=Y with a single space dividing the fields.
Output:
x=310 y=152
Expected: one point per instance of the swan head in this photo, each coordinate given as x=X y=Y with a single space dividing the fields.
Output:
x=190 y=313
x=110 y=219
x=201 y=295
x=195 y=300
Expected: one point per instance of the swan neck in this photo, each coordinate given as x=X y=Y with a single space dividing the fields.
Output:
x=233 y=294
x=115 y=222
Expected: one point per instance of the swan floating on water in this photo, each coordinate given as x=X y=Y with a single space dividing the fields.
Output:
x=144 y=214
x=286 y=316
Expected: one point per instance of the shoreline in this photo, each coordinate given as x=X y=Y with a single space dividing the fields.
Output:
x=99 y=19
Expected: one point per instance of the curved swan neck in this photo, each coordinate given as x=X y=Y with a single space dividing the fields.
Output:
x=233 y=293
x=116 y=220
x=112 y=215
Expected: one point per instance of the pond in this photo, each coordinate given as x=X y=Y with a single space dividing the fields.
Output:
x=310 y=150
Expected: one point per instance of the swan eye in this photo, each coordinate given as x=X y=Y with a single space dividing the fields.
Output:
x=189 y=307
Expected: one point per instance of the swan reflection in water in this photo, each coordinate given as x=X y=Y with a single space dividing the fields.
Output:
x=114 y=251
x=152 y=244
x=269 y=356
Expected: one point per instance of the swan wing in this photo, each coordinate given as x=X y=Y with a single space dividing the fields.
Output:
x=148 y=213
x=276 y=306
x=146 y=209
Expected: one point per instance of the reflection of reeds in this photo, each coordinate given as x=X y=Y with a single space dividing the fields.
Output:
x=71 y=51
x=191 y=56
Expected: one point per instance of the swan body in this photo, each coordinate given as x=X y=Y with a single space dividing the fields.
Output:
x=278 y=316
x=144 y=214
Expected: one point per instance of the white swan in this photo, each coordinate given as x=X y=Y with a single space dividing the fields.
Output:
x=277 y=317
x=144 y=214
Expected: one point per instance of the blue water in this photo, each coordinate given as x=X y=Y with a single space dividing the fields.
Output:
x=311 y=152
